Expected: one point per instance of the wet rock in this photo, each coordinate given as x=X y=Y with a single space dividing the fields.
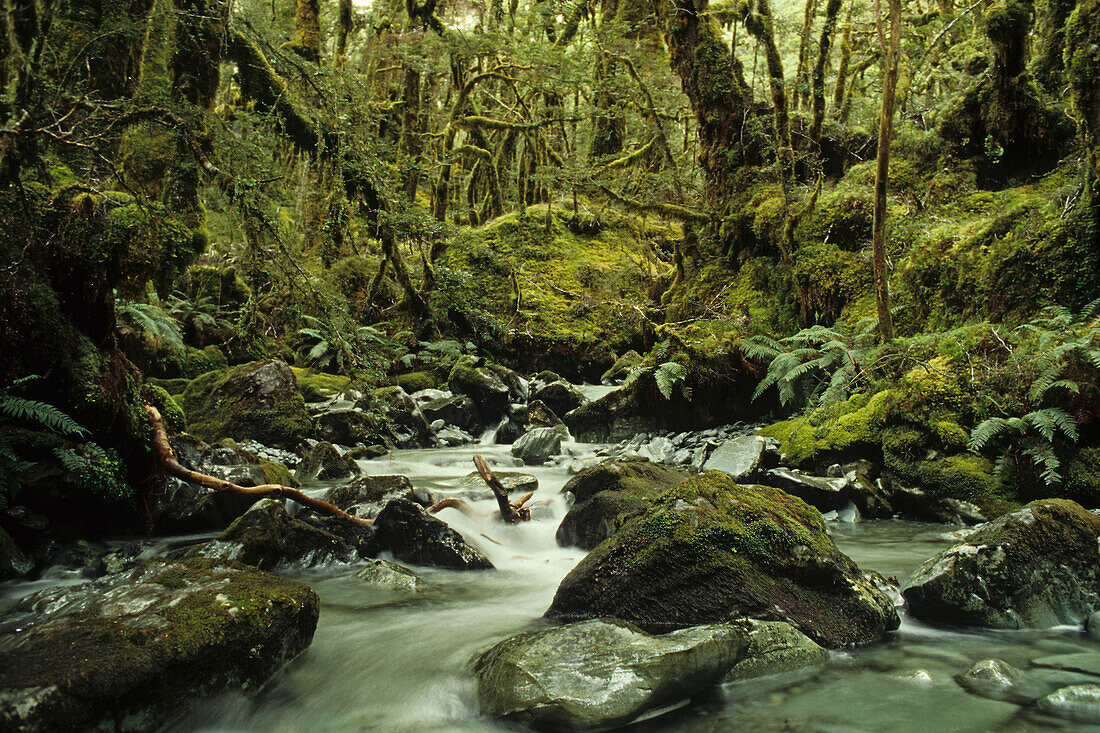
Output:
x=388 y=575
x=621 y=368
x=325 y=463
x=458 y=410
x=518 y=389
x=1037 y=567
x=367 y=452
x=608 y=495
x=537 y=445
x=365 y=496
x=1083 y=662
x=995 y=679
x=740 y=457
x=509 y=431
x=560 y=396
x=710 y=550
x=13 y=562
x=452 y=436
x=414 y=536
x=774 y=647
x=132 y=650
x=513 y=481
x=258 y=401
x=599 y=674
x=351 y=427
x=539 y=415
x=267 y=537
x=127 y=557
x=485 y=388
x=424 y=396
x=658 y=450
x=1080 y=703
x=824 y=494
x=406 y=423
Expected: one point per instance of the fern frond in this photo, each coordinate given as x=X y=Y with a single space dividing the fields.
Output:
x=33 y=411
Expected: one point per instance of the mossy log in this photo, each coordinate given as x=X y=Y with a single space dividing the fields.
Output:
x=163 y=450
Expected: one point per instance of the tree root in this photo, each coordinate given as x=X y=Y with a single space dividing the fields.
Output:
x=167 y=459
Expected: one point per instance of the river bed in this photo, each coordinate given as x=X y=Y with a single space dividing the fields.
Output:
x=391 y=661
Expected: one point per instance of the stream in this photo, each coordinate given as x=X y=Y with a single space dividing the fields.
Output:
x=391 y=661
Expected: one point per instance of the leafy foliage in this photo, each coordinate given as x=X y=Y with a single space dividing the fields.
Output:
x=149 y=320
x=339 y=351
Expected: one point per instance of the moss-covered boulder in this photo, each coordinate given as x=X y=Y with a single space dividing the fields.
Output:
x=608 y=495
x=485 y=388
x=352 y=427
x=366 y=496
x=131 y=650
x=458 y=410
x=401 y=417
x=560 y=396
x=621 y=368
x=259 y=400
x=415 y=536
x=318 y=386
x=267 y=537
x=599 y=674
x=711 y=550
x=325 y=462
x=1034 y=568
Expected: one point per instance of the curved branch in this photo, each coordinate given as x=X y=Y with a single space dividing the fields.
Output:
x=163 y=450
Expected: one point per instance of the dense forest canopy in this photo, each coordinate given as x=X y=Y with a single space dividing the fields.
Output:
x=818 y=197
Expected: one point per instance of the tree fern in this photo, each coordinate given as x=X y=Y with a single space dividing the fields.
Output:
x=152 y=320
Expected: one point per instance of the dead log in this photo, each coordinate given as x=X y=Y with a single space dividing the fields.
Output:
x=510 y=512
x=167 y=459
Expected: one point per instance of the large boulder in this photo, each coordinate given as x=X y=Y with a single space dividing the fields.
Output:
x=822 y=493
x=518 y=389
x=710 y=550
x=608 y=495
x=488 y=392
x=132 y=650
x=599 y=674
x=560 y=396
x=325 y=463
x=537 y=445
x=458 y=410
x=620 y=370
x=365 y=496
x=351 y=426
x=1034 y=568
x=415 y=536
x=259 y=401
x=267 y=537
x=407 y=426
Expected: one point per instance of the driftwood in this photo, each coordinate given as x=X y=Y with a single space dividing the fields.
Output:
x=167 y=459
x=511 y=512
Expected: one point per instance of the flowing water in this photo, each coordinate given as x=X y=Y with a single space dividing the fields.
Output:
x=398 y=661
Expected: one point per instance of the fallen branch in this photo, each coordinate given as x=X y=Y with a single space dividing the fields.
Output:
x=167 y=458
x=511 y=512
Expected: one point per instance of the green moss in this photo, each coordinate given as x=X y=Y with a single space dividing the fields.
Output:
x=172 y=413
x=317 y=386
x=836 y=431
x=416 y=381
x=1081 y=478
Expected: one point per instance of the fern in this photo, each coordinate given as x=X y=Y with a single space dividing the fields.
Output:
x=149 y=319
x=39 y=413
x=668 y=377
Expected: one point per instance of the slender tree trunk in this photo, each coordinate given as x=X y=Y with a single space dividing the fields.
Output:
x=882 y=167
x=801 y=77
x=307 y=30
x=345 y=21
x=845 y=60
x=832 y=9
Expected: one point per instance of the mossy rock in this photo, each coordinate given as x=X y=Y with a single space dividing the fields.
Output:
x=711 y=550
x=416 y=381
x=135 y=649
x=1034 y=568
x=318 y=386
x=834 y=433
x=259 y=400
x=621 y=368
x=169 y=409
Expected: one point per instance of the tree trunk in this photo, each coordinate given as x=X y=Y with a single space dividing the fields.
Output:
x=307 y=30
x=832 y=8
x=882 y=168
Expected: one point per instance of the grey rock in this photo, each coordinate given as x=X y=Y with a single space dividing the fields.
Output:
x=740 y=457
x=599 y=674
x=132 y=650
x=391 y=576
x=485 y=388
x=824 y=494
x=351 y=427
x=405 y=422
x=560 y=396
x=424 y=396
x=457 y=410
x=513 y=481
x=995 y=679
x=452 y=435
x=537 y=445
x=365 y=496
x=415 y=536
x=774 y=647
x=1080 y=703
x=325 y=463
x=658 y=450
x=518 y=389
x=1083 y=662
x=1036 y=567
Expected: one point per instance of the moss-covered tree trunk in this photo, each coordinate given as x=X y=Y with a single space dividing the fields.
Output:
x=1083 y=67
x=882 y=169
x=307 y=30
x=610 y=126
x=832 y=9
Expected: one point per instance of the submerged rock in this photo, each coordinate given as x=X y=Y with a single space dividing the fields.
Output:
x=599 y=674
x=608 y=495
x=710 y=550
x=131 y=650
x=415 y=536
x=537 y=445
x=1080 y=703
x=1037 y=567
x=388 y=575
x=995 y=679
x=774 y=647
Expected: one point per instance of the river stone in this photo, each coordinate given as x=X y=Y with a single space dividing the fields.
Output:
x=773 y=647
x=537 y=445
x=608 y=495
x=13 y=563
x=740 y=457
x=325 y=463
x=388 y=575
x=458 y=410
x=658 y=450
x=364 y=496
x=267 y=537
x=351 y=427
x=129 y=651
x=518 y=389
x=405 y=421
x=824 y=494
x=710 y=550
x=411 y=534
x=485 y=388
x=1080 y=703
x=513 y=481
x=994 y=679
x=560 y=396
x=1034 y=568
x=541 y=416
x=599 y=674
